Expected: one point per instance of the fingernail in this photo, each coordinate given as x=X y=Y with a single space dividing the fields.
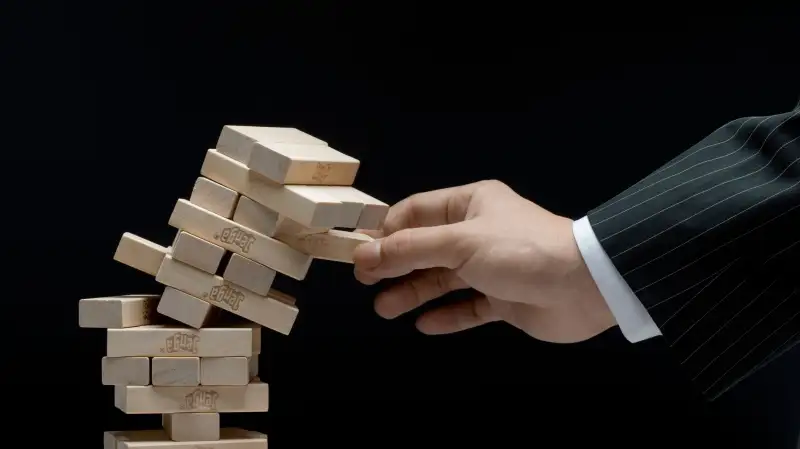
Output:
x=368 y=255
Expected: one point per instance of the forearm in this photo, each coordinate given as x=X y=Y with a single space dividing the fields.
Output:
x=701 y=238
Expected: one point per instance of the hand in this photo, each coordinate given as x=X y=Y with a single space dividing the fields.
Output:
x=521 y=259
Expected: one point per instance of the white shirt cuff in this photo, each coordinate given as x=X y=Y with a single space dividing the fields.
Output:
x=633 y=320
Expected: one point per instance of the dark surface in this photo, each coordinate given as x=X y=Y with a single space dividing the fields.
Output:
x=109 y=110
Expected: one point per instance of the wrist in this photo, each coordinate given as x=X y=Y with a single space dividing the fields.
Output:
x=583 y=291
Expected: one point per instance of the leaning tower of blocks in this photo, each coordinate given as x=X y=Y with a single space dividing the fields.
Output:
x=267 y=202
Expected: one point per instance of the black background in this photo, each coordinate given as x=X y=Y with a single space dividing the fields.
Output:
x=109 y=108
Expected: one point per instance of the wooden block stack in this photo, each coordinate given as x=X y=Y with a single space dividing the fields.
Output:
x=268 y=200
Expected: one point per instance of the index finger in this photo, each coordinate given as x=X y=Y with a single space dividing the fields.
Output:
x=433 y=208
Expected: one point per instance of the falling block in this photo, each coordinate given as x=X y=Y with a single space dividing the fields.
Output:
x=191 y=426
x=306 y=204
x=142 y=254
x=240 y=239
x=225 y=371
x=214 y=197
x=175 y=371
x=259 y=218
x=253 y=397
x=372 y=213
x=237 y=141
x=179 y=341
x=333 y=245
x=229 y=438
x=291 y=163
x=249 y=274
x=117 y=312
x=126 y=371
x=272 y=311
x=197 y=252
x=185 y=308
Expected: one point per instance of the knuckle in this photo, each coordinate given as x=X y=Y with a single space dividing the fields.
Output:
x=493 y=184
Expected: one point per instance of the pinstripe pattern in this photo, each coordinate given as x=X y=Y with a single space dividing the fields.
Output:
x=710 y=243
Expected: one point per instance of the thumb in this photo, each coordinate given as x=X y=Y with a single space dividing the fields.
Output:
x=412 y=249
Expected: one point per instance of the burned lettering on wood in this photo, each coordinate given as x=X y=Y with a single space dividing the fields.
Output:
x=236 y=236
x=321 y=172
x=181 y=342
x=225 y=294
x=200 y=399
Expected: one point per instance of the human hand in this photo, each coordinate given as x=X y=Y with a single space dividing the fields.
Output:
x=521 y=259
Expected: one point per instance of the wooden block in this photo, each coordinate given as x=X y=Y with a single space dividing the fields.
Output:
x=142 y=254
x=215 y=197
x=252 y=364
x=240 y=239
x=287 y=226
x=288 y=163
x=281 y=297
x=270 y=311
x=373 y=211
x=253 y=397
x=225 y=371
x=305 y=204
x=126 y=371
x=197 y=252
x=117 y=312
x=333 y=245
x=230 y=438
x=237 y=142
x=185 y=308
x=191 y=426
x=176 y=371
x=179 y=341
x=261 y=219
x=249 y=274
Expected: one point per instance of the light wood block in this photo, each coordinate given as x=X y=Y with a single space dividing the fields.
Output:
x=259 y=218
x=192 y=426
x=142 y=254
x=305 y=204
x=230 y=438
x=253 y=363
x=225 y=371
x=373 y=212
x=126 y=371
x=249 y=274
x=253 y=397
x=197 y=252
x=185 y=308
x=281 y=297
x=287 y=226
x=272 y=311
x=333 y=245
x=237 y=141
x=179 y=341
x=117 y=312
x=288 y=163
x=240 y=239
x=175 y=371
x=215 y=197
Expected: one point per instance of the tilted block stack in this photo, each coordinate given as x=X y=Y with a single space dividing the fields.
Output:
x=268 y=201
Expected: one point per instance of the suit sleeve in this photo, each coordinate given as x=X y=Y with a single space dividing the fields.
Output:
x=710 y=245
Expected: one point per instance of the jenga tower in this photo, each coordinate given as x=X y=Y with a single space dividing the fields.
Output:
x=272 y=198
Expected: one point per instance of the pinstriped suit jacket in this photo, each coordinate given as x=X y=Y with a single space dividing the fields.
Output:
x=710 y=244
